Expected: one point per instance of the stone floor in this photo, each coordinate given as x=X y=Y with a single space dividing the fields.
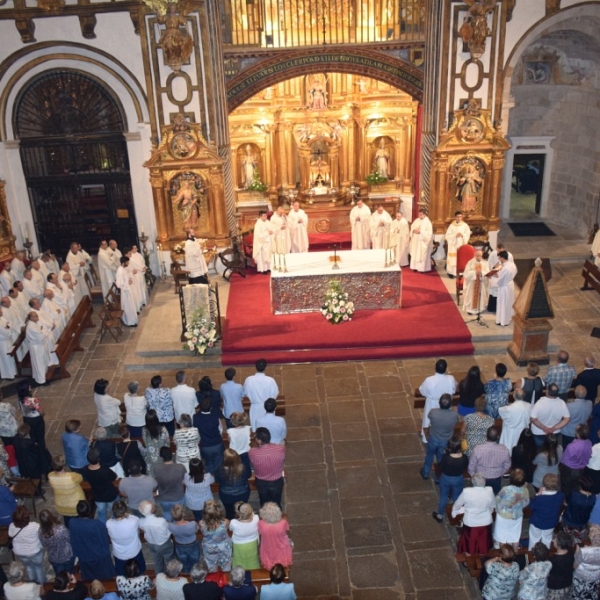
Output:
x=358 y=508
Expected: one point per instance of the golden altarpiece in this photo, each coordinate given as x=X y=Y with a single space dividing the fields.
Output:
x=467 y=168
x=186 y=175
x=316 y=138
x=7 y=239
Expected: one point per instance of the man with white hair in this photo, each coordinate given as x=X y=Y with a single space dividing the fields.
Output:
x=157 y=535
x=184 y=397
x=380 y=223
x=60 y=296
x=475 y=294
x=360 y=224
x=44 y=317
x=19 y=299
x=73 y=283
x=50 y=307
x=31 y=285
x=589 y=378
x=76 y=260
x=38 y=274
x=298 y=222
x=421 y=243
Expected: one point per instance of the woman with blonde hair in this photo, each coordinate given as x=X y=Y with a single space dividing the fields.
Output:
x=216 y=545
x=232 y=477
x=239 y=436
x=56 y=540
x=275 y=545
x=17 y=587
x=66 y=486
x=97 y=592
x=245 y=537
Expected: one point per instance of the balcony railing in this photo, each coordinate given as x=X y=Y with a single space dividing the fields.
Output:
x=293 y=23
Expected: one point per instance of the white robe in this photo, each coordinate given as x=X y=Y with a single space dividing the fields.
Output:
x=8 y=368
x=129 y=317
x=515 y=417
x=107 y=275
x=32 y=288
x=258 y=388
x=22 y=302
x=195 y=264
x=7 y=280
x=400 y=234
x=51 y=308
x=139 y=264
x=361 y=227
x=421 y=245
x=596 y=248
x=472 y=304
x=261 y=245
x=135 y=290
x=40 y=341
x=494 y=262
x=298 y=230
x=16 y=324
x=506 y=293
x=74 y=260
x=281 y=234
x=433 y=388
x=379 y=225
x=18 y=268
x=457 y=235
x=61 y=298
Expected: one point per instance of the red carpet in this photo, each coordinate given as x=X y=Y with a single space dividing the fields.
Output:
x=429 y=324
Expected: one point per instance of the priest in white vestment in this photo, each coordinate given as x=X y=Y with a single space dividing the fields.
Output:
x=53 y=265
x=298 y=223
x=7 y=278
x=38 y=275
x=44 y=263
x=261 y=244
x=19 y=302
x=8 y=368
x=380 y=223
x=45 y=318
x=60 y=296
x=421 y=243
x=475 y=295
x=41 y=340
x=136 y=260
x=75 y=260
x=281 y=233
x=18 y=265
x=495 y=265
x=360 y=225
x=506 y=290
x=105 y=267
x=457 y=234
x=69 y=291
x=124 y=282
x=115 y=256
x=515 y=417
x=596 y=248
x=400 y=236
x=31 y=285
x=258 y=388
x=195 y=264
x=135 y=289
x=50 y=306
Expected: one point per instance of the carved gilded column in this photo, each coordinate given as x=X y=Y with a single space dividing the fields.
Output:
x=269 y=176
x=158 y=195
x=334 y=166
x=350 y=143
x=497 y=168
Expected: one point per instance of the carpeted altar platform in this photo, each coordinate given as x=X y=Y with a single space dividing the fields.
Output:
x=429 y=324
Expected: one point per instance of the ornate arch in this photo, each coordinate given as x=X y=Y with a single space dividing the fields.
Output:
x=294 y=63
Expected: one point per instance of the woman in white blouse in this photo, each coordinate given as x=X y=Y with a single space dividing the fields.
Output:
x=109 y=411
x=135 y=409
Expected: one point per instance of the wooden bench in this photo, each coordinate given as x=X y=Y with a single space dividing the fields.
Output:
x=68 y=342
x=591 y=276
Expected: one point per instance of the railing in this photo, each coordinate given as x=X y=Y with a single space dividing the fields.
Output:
x=293 y=23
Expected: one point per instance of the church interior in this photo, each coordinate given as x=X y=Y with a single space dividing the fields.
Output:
x=135 y=120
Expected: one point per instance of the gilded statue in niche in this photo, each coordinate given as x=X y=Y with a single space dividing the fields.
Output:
x=175 y=40
x=317 y=91
x=381 y=160
x=474 y=29
x=189 y=194
x=249 y=163
x=468 y=176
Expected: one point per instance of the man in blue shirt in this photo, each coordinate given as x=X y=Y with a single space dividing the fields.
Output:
x=276 y=425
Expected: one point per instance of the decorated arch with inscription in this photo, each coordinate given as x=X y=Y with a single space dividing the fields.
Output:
x=302 y=62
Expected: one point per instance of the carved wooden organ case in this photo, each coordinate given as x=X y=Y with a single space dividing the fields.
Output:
x=186 y=175
x=467 y=167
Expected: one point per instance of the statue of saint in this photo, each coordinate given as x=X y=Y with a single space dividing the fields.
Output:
x=175 y=40
x=249 y=165
x=317 y=94
x=382 y=160
x=468 y=186
x=188 y=203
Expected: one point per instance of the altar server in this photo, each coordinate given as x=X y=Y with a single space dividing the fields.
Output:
x=400 y=235
x=495 y=265
x=195 y=264
x=281 y=233
x=261 y=245
x=380 y=223
x=123 y=281
x=41 y=342
x=421 y=243
x=136 y=260
x=457 y=234
x=506 y=289
x=105 y=267
x=298 y=222
x=360 y=225
x=8 y=369
x=475 y=294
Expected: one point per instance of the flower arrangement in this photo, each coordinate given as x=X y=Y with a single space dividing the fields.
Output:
x=200 y=333
x=375 y=177
x=257 y=185
x=337 y=309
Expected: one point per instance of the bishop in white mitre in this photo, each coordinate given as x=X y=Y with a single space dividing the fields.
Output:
x=475 y=287
x=457 y=234
x=124 y=282
x=400 y=236
x=360 y=225
x=281 y=233
x=41 y=342
x=261 y=245
x=298 y=223
x=379 y=224
x=421 y=243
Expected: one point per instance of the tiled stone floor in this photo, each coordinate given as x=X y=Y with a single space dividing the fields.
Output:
x=358 y=508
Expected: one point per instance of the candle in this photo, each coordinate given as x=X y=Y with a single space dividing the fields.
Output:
x=23 y=231
x=142 y=230
x=26 y=232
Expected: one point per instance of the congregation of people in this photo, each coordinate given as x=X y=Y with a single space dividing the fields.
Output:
x=520 y=464
x=142 y=485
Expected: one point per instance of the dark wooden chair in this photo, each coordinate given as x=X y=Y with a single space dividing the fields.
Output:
x=109 y=324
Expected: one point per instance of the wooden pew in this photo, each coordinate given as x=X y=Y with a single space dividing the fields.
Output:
x=591 y=276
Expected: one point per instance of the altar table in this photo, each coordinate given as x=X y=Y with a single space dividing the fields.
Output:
x=362 y=274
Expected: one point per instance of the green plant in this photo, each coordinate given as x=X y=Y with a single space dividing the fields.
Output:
x=257 y=185
x=375 y=177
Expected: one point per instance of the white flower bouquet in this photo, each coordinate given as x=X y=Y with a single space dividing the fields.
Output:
x=337 y=308
x=200 y=333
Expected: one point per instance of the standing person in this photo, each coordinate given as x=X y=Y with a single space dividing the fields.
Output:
x=137 y=487
x=183 y=396
x=216 y=545
x=549 y=415
x=237 y=589
x=545 y=509
x=123 y=533
x=506 y=290
x=475 y=425
x=267 y=463
x=589 y=378
x=157 y=536
x=184 y=529
x=129 y=451
x=160 y=400
x=276 y=425
x=232 y=477
x=101 y=479
x=475 y=295
x=40 y=339
x=562 y=374
x=169 y=477
x=442 y=421
x=133 y=586
x=29 y=455
x=452 y=465
x=495 y=265
x=457 y=235
x=532 y=385
x=56 y=540
x=26 y=544
x=66 y=487
x=138 y=263
x=75 y=445
x=360 y=226
x=560 y=579
x=298 y=222
x=433 y=388
x=135 y=409
x=232 y=394
x=197 y=487
x=8 y=367
x=195 y=264
x=421 y=243
x=259 y=388
x=281 y=233
x=503 y=575
x=124 y=282
x=380 y=222
x=105 y=268
x=497 y=391
x=399 y=238
x=580 y=410
x=245 y=537
x=515 y=417
x=469 y=389
x=16 y=587
x=169 y=586
x=108 y=407
x=275 y=546
x=239 y=435
x=154 y=436
x=200 y=588
x=576 y=515
x=574 y=460
x=33 y=414
x=546 y=460
x=586 y=578
x=491 y=460
x=510 y=502
x=261 y=245
x=207 y=421
x=533 y=579
x=186 y=440
x=278 y=589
